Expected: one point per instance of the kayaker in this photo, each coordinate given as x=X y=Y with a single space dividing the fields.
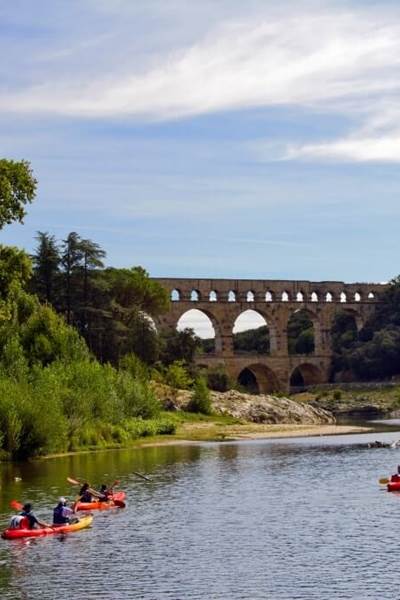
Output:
x=105 y=493
x=32 y=520
x=62 y=513
x=88 y=494
x=85 y=494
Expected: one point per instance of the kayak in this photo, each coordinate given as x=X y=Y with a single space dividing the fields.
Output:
x=116 y=501
x=394 y=484
x=12 y=534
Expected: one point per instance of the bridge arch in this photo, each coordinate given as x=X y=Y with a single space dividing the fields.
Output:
x=267 y=319
x=305 y=374
x=248 y=337
x=204 y=324
x=259 y=378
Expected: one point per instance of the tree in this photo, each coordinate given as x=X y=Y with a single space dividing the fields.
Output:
x=46 y=261
x=92 y=255
x=200 y=401
x=300 y=333
x=142 y=338
x=17 y=188
x=375 y=352
x=71 y=259
x=252 y=340
x=15 y=269
x=178 y=345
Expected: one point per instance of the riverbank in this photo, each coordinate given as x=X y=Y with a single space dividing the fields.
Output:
x=223 y=429
x=217 y=431
x=383 y=401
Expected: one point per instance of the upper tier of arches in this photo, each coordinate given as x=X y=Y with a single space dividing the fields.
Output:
x=369 y=295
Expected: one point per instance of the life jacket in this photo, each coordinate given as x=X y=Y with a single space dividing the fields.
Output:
x=58 y=516
x=19 y=522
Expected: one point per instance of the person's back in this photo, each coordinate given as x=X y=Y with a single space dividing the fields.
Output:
x=85 y=494
x=31 y=519
x=62 y=513
x=104 y=493
x=19 y=522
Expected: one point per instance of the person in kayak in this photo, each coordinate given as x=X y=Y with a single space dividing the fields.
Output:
x=63 y=514
x=30 y=518
x=105 y=493
x=88 y=494
x=85 y=493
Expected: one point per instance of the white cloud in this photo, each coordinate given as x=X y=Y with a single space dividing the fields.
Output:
x=297 y=59
x=322 y=59
x=358 y=149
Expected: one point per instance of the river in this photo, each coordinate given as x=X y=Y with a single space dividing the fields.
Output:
x=299 y=518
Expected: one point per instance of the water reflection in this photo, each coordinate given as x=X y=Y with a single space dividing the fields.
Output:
x=279 y=519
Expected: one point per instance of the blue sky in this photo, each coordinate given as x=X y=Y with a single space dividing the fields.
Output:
x=210 y=139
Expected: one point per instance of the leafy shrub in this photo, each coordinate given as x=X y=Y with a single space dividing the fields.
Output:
x=135 y=367
x=200 y=401
x=218 y=380
x=177 y=376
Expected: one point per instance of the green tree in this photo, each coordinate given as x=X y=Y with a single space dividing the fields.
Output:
x=17 y=188
x=373 y=353
x=300 y=333
x=177 y=376
x=15 y=269
x=252 y=341
x=71 y=260
x=178 y=345
x=121 y=312
x=46 y=266
x=200 y=401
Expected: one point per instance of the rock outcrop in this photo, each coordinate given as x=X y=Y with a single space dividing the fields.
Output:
x=268 y=409
x=262 y=408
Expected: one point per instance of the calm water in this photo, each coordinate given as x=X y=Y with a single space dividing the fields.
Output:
x=282 y=519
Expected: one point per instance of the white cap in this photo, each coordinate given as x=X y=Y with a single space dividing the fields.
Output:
x=62 y=500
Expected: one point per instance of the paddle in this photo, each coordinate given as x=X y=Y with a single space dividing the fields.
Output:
x=142 y=476
x=384 y=480
x=96 y=494
x=76 y=482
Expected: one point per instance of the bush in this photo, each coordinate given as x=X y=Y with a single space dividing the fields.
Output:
x=337 y=394
x=177 y=376
x=200 y=401
x=218 y=380
x=135 y=367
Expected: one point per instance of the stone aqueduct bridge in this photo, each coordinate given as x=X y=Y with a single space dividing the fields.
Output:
x=223 y=300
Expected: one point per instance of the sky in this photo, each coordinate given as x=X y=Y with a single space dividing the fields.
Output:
x=211 y=139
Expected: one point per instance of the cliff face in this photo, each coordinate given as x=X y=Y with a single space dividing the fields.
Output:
x=247 y=407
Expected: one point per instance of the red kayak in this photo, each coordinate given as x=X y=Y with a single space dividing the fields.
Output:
x=115 y=501
x=394 y=484
x=18 y=532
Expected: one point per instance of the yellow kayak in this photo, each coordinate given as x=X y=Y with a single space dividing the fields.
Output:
x=12 y=534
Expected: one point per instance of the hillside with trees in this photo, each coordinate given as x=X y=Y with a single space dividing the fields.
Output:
x=71 y=334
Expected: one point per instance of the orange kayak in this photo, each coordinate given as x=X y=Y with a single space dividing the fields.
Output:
x=115 y=501
x=13 y=534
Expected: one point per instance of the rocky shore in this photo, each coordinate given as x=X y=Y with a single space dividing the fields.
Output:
x=261 y=408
